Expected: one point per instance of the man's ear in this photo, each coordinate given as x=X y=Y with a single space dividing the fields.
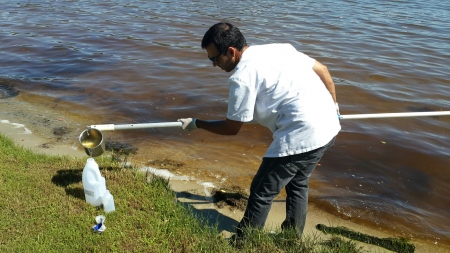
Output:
x=231 y=51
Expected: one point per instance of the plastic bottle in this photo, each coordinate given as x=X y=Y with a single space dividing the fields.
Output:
x=93 y=183
x=108 y=202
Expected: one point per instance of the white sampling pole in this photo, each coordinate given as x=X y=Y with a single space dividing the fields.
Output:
x=393 y=115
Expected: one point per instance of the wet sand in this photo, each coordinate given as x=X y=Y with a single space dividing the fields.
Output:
x=32 y=125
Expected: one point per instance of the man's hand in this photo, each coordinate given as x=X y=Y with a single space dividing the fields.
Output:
x=188 y=124
x=337 y=110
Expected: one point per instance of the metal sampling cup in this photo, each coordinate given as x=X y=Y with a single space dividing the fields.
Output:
x=92 y=141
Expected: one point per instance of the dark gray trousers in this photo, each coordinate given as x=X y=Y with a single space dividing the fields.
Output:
x=292 y=172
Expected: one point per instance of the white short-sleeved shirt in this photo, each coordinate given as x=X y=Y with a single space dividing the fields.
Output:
x=275 y=86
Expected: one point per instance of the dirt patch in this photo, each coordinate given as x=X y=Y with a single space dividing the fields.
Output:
x=61 y=131
x=166 y=164
x=45 y=145
x=8 y=91
x=234 y=198
x=120 y=148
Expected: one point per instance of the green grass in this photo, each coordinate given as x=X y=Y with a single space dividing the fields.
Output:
x=43 y=209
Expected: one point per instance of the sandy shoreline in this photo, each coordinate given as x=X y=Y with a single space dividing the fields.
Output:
x=18 y=122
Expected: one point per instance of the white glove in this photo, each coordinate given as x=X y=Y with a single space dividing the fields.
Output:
x=188 y=124
x=337 y=110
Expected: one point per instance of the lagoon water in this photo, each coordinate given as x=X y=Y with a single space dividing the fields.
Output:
x=126 y=62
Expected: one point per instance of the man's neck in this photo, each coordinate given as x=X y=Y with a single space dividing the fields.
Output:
x=239 y=54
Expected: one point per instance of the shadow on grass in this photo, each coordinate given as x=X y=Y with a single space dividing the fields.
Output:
x=209 y=215
x=399 y=245
x=64 y=178
x=212 y=216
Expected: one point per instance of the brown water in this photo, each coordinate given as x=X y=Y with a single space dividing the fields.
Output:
x=127 y=62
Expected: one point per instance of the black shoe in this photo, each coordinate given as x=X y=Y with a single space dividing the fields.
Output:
x=236 y=241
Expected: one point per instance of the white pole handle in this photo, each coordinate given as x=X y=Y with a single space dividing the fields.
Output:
x=393 y=115
x=110 y=127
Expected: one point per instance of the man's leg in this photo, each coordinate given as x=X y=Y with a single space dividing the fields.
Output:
x=271 y=178
x=297 y=188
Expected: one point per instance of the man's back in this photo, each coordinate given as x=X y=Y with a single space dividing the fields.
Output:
x=275 y=85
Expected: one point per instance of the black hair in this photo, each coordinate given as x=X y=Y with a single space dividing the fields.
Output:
x=224 y=35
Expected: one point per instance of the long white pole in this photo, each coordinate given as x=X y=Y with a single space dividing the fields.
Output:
x=109 y=127
x=394 y=115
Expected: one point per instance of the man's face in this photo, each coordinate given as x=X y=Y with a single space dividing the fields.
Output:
x=224 y=61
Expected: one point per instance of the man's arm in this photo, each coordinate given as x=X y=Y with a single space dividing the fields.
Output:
x=322 y=71
x=222 y=127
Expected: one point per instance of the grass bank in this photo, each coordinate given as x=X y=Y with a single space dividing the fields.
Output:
x=43 y=209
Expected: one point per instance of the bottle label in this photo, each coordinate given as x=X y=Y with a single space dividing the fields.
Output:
x=89 y=193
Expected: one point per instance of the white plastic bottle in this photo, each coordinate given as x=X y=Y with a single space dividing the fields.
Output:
x=108 y=202
x=93 y=183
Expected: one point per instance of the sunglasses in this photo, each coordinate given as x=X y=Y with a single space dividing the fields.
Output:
x=215 y=58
